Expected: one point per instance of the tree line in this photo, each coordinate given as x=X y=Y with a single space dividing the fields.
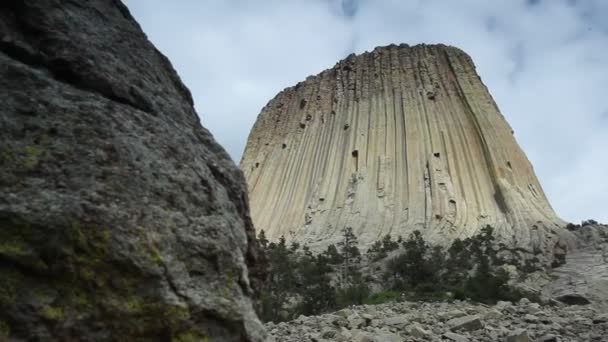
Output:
x=300 y=282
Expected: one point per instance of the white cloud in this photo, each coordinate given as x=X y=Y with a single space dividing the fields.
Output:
x=545 y=64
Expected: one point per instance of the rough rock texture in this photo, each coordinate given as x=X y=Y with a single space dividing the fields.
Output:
x=121 y=219
x=390 y=141
x=399 y=322
x=584 y=277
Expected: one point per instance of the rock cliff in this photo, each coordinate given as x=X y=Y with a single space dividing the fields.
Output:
x=391 y=141
x=584 y=276
x=121 y=219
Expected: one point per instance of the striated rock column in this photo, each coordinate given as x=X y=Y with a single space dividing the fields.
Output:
x=121 y=219
x=390 y=141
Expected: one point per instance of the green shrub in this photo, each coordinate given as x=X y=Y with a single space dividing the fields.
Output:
x=382 y=297
x=352 y=295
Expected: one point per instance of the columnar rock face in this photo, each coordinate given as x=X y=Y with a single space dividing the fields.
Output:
x=394 y=140
x=121 y=219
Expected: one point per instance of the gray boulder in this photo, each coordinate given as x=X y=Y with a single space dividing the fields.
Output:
x=583 y=279
x=455 y=337
x=520 y=335
x=417 y=331
x=120 y=217
x=468 y=323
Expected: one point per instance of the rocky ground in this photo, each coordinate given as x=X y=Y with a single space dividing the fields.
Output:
x=458 y=322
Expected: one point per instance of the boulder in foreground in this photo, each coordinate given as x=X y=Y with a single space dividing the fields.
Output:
x=120 y=217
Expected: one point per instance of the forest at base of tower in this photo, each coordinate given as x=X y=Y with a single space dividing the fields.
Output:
x=300 y=282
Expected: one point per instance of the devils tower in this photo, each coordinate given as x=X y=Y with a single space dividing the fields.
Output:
x=391 y=141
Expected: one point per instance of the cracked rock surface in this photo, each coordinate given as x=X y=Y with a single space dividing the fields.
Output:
x=121 y=219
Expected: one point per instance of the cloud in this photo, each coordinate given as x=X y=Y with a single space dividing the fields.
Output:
x=543 y=61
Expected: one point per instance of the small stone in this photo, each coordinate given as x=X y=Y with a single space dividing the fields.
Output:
x=534 y=308
x=530 y=318
x=346 y=334
x=503 y=304
x=493 y=314
x=328 y=333
x=395 y=321
x=548 y=338
x=602 y=318
x=519 y=335
x=380 y=336
x=573 y=299
x=417 y=331
x=469 y=323
x=355 y=321
x=344 y=313
x=452 y=314
x=455 y=337
x=340 y=321
x=368 y=318
x=362 y=336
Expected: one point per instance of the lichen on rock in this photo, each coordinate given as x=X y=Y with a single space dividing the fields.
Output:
x=121 y=219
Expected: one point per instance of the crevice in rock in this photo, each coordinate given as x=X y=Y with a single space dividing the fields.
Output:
x=61 y=71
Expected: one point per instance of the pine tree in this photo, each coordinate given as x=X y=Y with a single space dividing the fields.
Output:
x=282 y=277
x=353 y=289
x=350 y=255
x=380 y=249
x=316 y=291
x=388 y=245
x=414 y=263
x=332 y=255
x=262 y=240
x=457 y=265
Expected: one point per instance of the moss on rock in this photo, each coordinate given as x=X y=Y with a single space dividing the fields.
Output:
x=88 y=279
x=5 y=330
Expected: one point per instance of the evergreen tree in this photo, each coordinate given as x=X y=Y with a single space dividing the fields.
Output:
x=376 y=252
x=317 y=293
x=280 y=281
x=436 y=266
x=380 y=249
x=414 y=266
x=350 y=256
x=457 y=265
x=388 y=245
x=332 y=255
x=300 y=282
x=294 y=247
x=353 y=289
x=485 y=285
x=262 y=240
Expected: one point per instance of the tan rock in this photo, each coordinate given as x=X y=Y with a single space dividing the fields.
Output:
x=391 y=141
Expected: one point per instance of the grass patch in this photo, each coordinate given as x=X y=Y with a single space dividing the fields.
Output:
x=382 y=297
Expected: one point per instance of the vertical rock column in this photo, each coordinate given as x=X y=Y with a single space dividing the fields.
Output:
x=390 y=141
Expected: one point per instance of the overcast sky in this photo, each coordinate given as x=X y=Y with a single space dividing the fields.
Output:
x=544 y=61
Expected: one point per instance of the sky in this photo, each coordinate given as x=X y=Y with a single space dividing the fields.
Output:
x=545 y=63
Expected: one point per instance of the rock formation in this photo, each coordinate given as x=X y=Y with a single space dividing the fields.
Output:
x=391 y=141
x=584 y=276
x=121 y=219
